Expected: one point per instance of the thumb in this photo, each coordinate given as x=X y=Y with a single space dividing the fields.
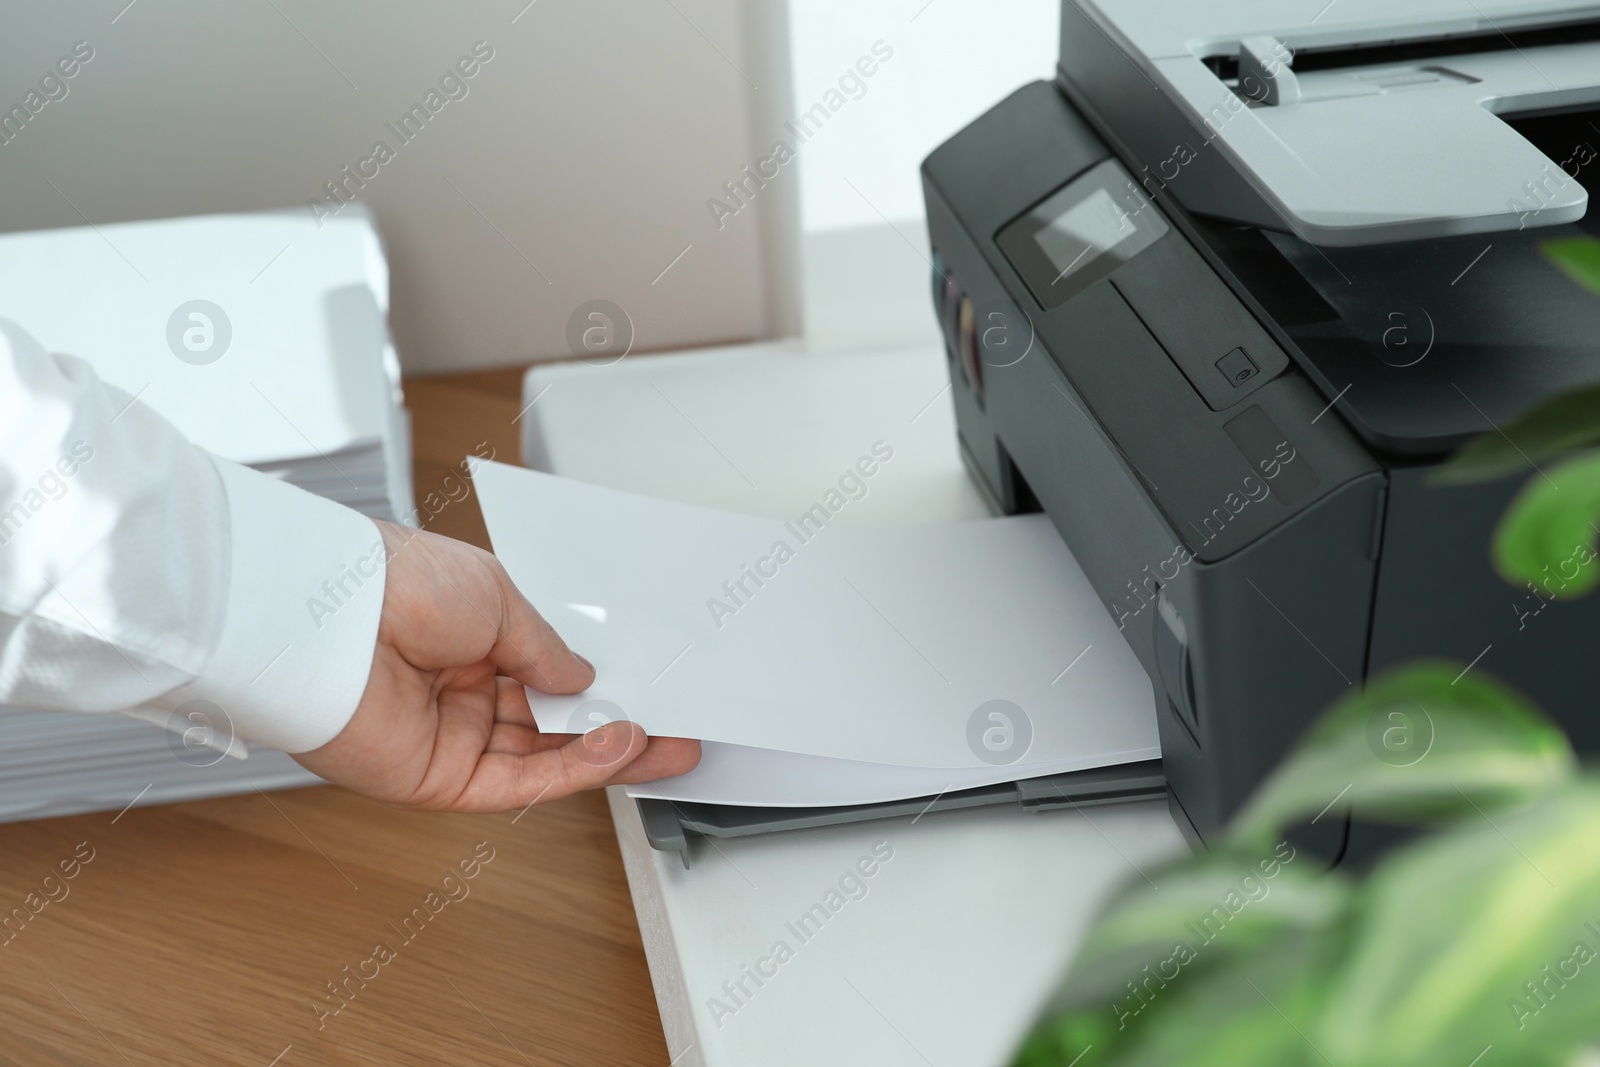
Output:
x=528 y=648
x=503 y=781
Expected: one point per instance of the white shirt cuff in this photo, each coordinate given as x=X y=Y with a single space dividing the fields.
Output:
x=305 y=592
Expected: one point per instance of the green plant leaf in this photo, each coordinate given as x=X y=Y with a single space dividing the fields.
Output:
x=1186 y=918
x=1255 y=1009
x=1548 y=535
x=1448 y=933
x=1567 y=422
x=1578 y=258
x=1425 y=742
x=1078 y=1038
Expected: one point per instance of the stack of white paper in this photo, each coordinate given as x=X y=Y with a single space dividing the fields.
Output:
x=60 y=764
x=264 y=338
x=823 y=664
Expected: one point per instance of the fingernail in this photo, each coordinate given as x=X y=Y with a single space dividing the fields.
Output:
x=584 y=661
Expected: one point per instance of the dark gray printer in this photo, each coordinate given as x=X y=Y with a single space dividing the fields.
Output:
x=1218 y=300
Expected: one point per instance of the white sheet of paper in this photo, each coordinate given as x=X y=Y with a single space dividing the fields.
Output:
x=760 y=777
x=967 y=645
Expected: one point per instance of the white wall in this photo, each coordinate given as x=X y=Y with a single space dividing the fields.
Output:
x=582 y=157
x=953 y=60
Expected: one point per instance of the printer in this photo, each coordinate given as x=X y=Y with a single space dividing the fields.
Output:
x=1219 y=299
x=1222 y=297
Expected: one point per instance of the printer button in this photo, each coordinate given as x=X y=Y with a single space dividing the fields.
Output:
x=1238 y=367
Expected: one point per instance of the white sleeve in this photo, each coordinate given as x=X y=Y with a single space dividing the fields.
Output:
x=139 y=573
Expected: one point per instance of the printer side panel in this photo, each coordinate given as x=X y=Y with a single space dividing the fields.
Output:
x=1280 y=637
x=1249 y=618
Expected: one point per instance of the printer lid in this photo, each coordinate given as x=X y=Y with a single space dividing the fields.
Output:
x=1360 y=122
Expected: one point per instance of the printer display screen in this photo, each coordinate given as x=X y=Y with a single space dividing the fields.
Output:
x=1077 y=237
x=1081 y=233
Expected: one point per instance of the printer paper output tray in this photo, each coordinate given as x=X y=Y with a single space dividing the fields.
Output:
x=1353 y=123
x=671 y=826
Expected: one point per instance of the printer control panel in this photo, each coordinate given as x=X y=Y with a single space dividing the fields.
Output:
x=1081 y=233
x=1102 y=226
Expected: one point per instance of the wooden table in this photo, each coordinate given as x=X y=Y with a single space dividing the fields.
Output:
x=207 y=932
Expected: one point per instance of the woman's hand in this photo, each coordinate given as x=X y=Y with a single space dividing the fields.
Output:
x=444 y=723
